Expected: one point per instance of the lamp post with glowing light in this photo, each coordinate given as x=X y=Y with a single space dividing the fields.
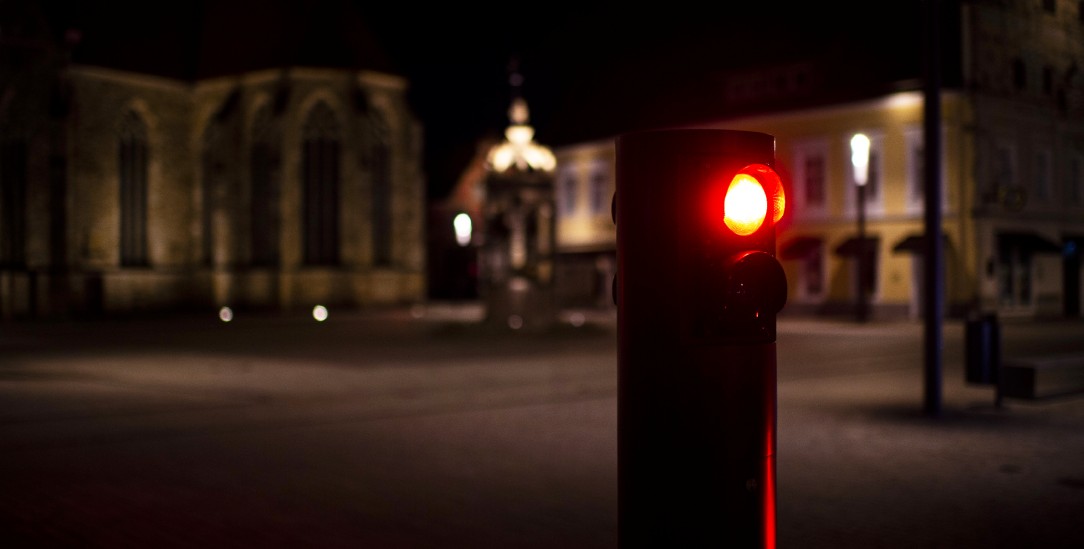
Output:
x=464 y=229
x=860 y=163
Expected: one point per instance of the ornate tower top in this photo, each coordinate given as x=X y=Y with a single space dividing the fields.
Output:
x=519 y=151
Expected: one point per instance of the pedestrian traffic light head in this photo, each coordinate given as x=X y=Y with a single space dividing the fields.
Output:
x=742 y=282
x=696 y=238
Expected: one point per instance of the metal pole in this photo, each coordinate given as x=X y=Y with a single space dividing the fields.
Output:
x=933 y=265
x=862 y=312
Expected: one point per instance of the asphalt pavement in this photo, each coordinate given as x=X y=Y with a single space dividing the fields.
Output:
x=422 y=428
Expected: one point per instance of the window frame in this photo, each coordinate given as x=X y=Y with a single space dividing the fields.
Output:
x=321 y=177
x=801 y=154
x=914 y=137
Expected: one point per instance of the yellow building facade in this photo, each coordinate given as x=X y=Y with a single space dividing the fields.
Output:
x=1011 y=173
x=1009 y=249
x=817 y=239
x=586 y=235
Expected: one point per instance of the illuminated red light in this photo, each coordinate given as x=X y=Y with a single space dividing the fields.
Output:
x=745 y=205
x=773 y=187
x=754 y=191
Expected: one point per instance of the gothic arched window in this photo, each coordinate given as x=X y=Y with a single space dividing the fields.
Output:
x=264 y=174
x=320 y=180
x=212 y=168
x=13 y=185
x=132 y=170
x=382 y=190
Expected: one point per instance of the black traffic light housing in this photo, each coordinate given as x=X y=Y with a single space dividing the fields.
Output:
x=738 y=285
x=697 y=303
x=728 y=286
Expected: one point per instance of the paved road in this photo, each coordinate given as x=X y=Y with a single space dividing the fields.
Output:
x=409 y=430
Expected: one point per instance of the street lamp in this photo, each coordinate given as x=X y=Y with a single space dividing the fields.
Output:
x=464 y=229
x=860 y=162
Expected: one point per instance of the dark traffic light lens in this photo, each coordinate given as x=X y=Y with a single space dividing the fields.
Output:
x=756 y=285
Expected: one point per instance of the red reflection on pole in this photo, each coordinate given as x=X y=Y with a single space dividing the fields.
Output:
x=769 y=502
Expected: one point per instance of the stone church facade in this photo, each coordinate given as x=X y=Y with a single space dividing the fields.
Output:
x=275 y=189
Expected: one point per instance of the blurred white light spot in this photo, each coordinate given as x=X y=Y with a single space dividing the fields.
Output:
x=463 y=229
x=225 y=314
x=417 y=311
x=860 y=158
x=319 y=312
x=515 y=322
x=577 y=319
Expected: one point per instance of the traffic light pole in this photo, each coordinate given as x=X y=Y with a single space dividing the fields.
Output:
x=696 y=346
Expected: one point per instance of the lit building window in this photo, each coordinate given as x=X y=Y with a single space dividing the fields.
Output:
x=566 y=191
x=600 y=188
x=320 y=180
x=916 y=172
x=811 y=178
x=132 y=169
x=814 y=181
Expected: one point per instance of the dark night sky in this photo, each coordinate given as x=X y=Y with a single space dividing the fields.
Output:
x=587 y=65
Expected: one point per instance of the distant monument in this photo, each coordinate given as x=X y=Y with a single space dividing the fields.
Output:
x=517 y=260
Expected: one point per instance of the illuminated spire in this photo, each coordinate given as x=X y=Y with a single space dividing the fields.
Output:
x=519 y=151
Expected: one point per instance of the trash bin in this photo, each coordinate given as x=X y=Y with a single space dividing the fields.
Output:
x=983 y=348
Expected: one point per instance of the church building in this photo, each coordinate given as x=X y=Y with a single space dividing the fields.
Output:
x=210 y=158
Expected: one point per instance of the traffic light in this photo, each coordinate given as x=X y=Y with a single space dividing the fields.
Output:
x=698 y=289
x=701 y=208
x=735 y=271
